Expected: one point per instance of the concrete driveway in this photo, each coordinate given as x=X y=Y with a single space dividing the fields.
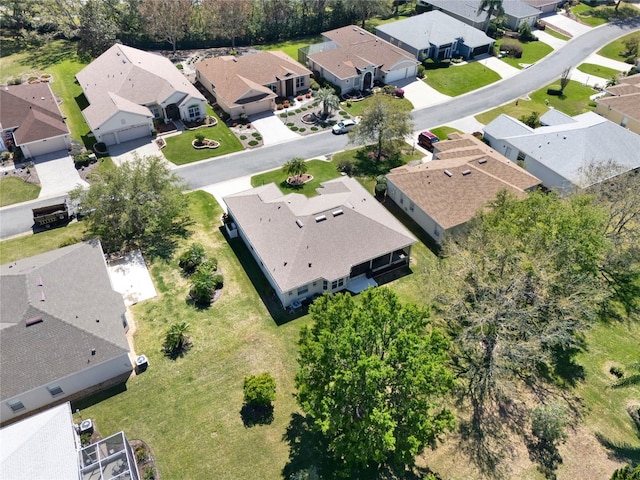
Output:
x=501 y=68
x=271 y=128
x=125 y=152
x=57 y=173
x=562 y=22
x=420 y=94
x=222 y=189
x=549 y=39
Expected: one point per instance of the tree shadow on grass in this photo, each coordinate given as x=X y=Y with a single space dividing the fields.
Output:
x=620 y=451
x=307 y=448
x=50 y=53
x=253 y=415
x=366 y=164
x=545 y=455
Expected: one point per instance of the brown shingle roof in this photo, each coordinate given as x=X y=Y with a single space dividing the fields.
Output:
x=235 y=77
x=33 y=109
x=452 y=191
x=356 y=50
x=629 y=105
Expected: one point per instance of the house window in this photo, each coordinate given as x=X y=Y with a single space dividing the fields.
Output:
x=624 y=122
x=274 y=88
x=521 y=156
x=194 y=111
x=411 y=206
x=303 y=290
x=156 y=112
x=299 y=82
x=16 y=405
x=55 y=390
x=325 y=284
x=334 y=284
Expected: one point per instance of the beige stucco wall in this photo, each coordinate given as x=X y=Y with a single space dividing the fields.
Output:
x=618 y=117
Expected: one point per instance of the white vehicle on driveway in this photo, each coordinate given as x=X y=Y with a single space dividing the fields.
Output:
x=344 y=127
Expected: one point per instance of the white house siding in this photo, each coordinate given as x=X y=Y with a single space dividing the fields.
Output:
x=42 y=147
x=428 y=224
x=184 y=109
x=402 y=70
x=39 y=397
x=119 y=124
x=548 y=177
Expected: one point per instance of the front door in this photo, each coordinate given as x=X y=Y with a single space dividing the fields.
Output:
x=173 y=112
x=289 y=87
x=367 y=84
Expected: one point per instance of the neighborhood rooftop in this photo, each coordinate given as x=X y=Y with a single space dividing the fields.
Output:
x=470 y=8
x=302 y=239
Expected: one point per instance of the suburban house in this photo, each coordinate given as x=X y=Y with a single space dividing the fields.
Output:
x=563 y=148
x=63 y=329
x=465 y=174
x=436 y=35
x=127 y=89
x=621 y=104
x=47 y=446
x=352 y=59
x=31 y=120
x=516 y=12
x=309 y=246
x=249 y=84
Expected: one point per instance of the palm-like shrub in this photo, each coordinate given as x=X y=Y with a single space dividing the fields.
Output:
x=329 y=99
x=191 y=258
x=259 y=390
x=204 y=283
x=176 y=338
x=295 y=167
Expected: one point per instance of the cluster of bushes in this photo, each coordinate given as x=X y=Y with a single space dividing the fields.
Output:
x=513 y=48
x=205 y=279
x=83 y=159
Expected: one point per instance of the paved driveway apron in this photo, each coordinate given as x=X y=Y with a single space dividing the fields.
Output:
x=271 y=128
x=57 y=173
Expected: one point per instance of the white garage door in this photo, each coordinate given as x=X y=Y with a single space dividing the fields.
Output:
x=109 y=139
x=401 y=74
x=46 y=146
x=133 y=133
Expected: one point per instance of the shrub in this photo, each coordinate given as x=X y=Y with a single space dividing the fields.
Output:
x=253 y=143
x=299 y=98
x=149 y=474
x=286 y=104
x=308 y=95
x=199 y=137
x=389 y=89
x=349 y=103
x=243 y=137
x=16 y=81
x=314 y=85
x=218 y=281
x=421 y=71
x=525 y=33
x=259 y=390
x=616 y=371
x=554 y=90
x=314 y=129
x=302 y=130
x=259 y=138
x=45 y=75
x=294 y=129
x=141 y=454
x=202 y=286
x=255 y=134
x=179 y=66
x=81 y=160
x=298 y=111
x=192 y=258
x=346 y=166
x=279 y=106
x=513 y=48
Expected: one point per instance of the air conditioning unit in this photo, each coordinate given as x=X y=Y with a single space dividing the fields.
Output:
x=86 y=426
x=141 y=363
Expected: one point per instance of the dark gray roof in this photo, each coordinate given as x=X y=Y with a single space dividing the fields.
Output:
x=434 y=28
x=325 y=249
x=70 y=290
x=469 y=8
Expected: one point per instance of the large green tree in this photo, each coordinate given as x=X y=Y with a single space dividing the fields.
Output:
x=491 y=7
x=167 y=20
x=528 y=285
x=372 y=374
x=363 y=10
x=98 y=28
x=137 y=205
x=383 y=122
x=227 y=19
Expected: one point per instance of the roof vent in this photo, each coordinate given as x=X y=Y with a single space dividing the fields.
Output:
x=466 y=172
x=39 y=281
x=321 y=218
x=448 y=173
x=42 y=297
x=299 y=223
x=33 y=321
x=482 y=160
x=337 y=213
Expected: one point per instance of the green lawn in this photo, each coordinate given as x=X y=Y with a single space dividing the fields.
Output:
x=575 y=101
x=608 y=344
x=558 y=35
x=290 y=47
x=615 y=49
x=404 y=11
x=320 y=169
x=459 y=79
x=531 y=52
x=356 y=108
x=15 y=190
x=442 y=132
x=595 y=16
x=59 y=59
x=179 y=150
x=598 y=70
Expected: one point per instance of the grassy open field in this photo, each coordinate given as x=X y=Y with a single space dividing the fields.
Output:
x=615 y=49
x=459 y=79
x=15 y=190
x=575 y=101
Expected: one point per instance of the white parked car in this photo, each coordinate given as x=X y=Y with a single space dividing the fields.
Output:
x=344 y=126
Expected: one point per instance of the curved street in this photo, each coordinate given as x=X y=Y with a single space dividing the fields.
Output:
x=17 y=219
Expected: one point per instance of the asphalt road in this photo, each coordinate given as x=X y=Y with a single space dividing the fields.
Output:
x=17 y=219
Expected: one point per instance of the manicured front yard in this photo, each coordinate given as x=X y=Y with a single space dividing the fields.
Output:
x=442 y=132
x=459 y=79
x=531 y=52
x=320 y=169
x=615 y=49
x=602 y=14
x=555 y=34
x=598 y=70
x=356 y=108
x=575 y=101
x=179 y=150
x=15 y=190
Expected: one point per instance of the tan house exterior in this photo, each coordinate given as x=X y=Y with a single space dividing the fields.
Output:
x=128 y=88
x=63 y=329
x=621 y=104
x=337 y=240
x=444 y=194
x=352 y=59
x=30 y=119
x=250 y=84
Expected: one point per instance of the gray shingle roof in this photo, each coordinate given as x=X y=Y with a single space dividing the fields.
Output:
x=435 y=28
x=567 y=149
x=70 y=290
x=324 y=249
x=469 y=8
